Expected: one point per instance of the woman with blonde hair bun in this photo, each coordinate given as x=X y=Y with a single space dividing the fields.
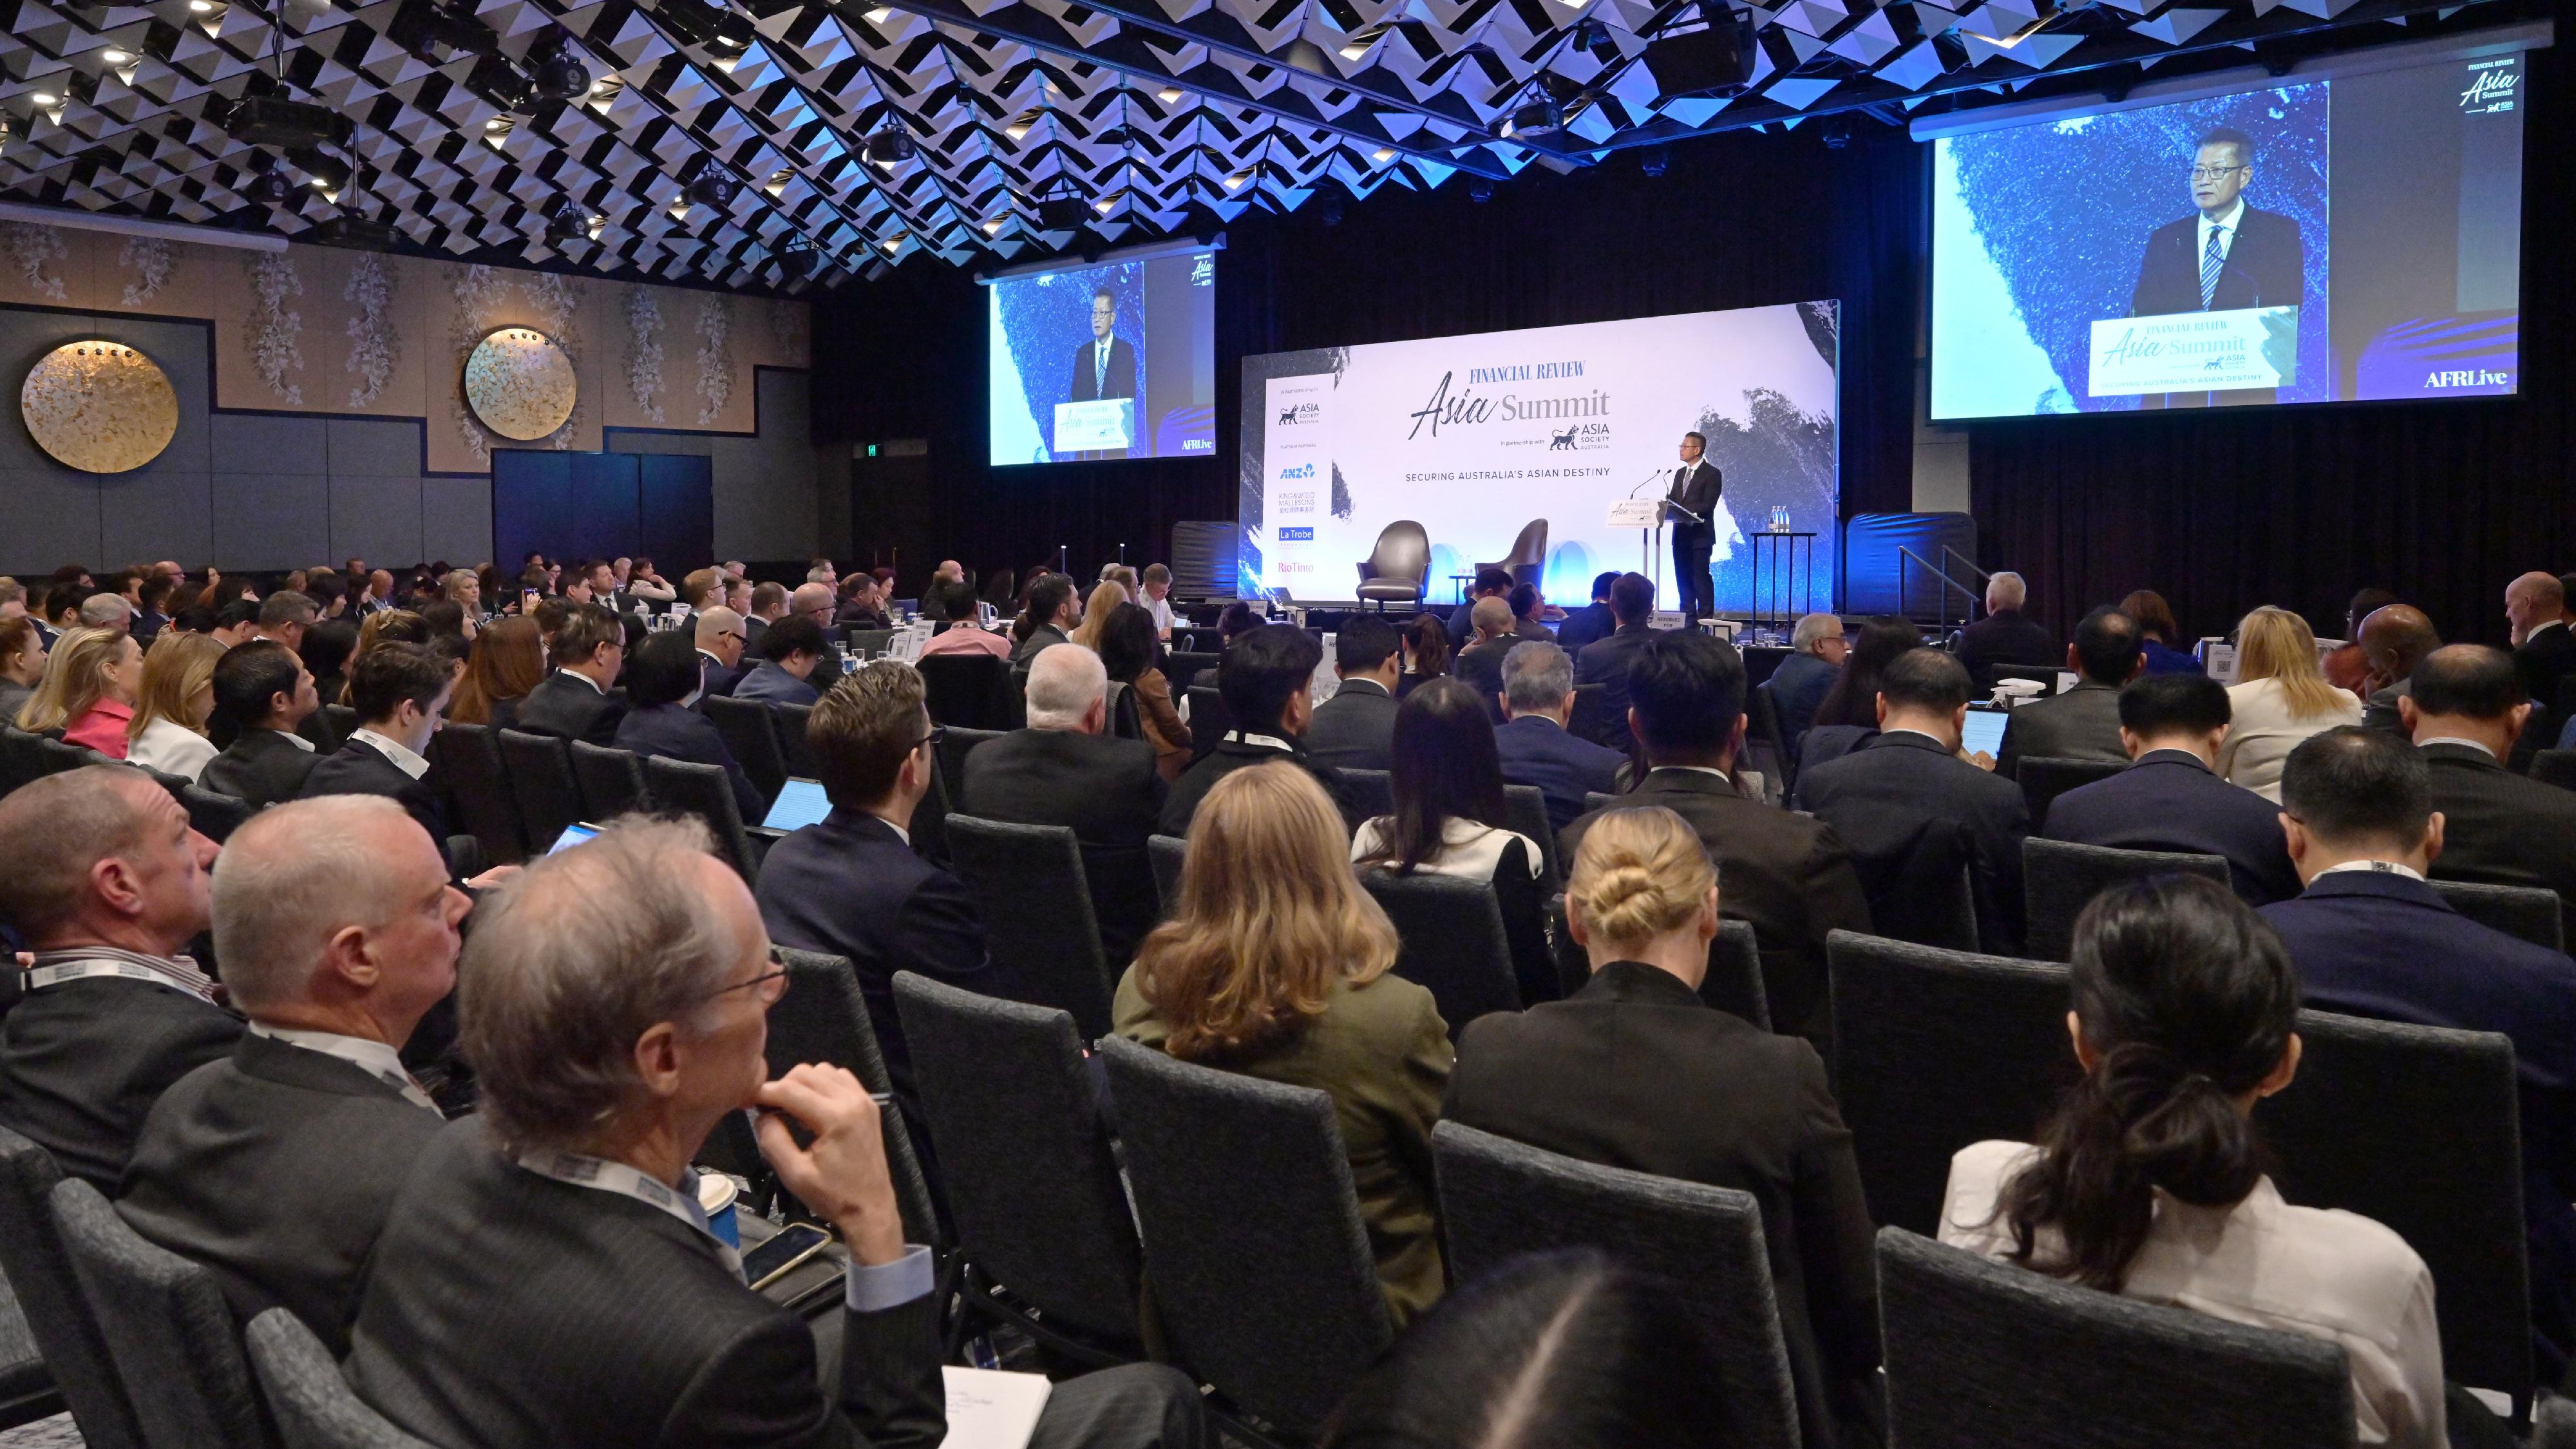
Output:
x=2280 y=697
x=1275 y=964
x=168 y=731
x=1635 y=1071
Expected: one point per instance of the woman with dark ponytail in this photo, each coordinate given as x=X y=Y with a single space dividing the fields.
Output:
x=2149 y=1179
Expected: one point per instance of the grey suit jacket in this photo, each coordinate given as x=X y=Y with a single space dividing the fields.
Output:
x=262 y=767
x=2081 y=724
x=276 y=1168
x=82 y=1063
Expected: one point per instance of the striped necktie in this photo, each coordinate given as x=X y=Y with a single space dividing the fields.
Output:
x=2212 y=262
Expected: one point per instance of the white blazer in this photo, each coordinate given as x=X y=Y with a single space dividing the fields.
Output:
x=2261 y=733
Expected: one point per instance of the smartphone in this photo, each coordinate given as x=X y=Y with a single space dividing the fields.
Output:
x=774 y=1259
x=528 y=598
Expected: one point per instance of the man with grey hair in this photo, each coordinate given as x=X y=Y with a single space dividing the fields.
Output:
x=103 y=879
x=277 y=1166
x=285 y=615
x=814 y=601
x=549 y=1275
x=1816 y=652
x=1480 y=665
x=1536 y=747
x=722 y=638
x=1066 y=769
x=104 y=610
x=2004 y=636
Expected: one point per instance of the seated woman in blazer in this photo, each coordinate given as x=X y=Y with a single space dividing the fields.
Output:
x=1448 y=785
x=2149 y=1181
x=1276 y=964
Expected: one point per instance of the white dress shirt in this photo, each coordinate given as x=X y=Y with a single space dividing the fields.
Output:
x=2262 y=732
x=374 y=1058
x=2225 y=226
x=172 y=748
x=2314 y=1271
x=404 y=757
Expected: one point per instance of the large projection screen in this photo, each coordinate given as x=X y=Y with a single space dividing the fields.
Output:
x=2351 y=234
x=1473 y=437
x=1116 y=359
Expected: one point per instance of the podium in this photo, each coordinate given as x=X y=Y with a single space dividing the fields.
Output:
x=1091 y=427
x=1646 y=515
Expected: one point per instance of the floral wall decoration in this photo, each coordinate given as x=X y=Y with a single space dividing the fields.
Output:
x=150 y=259
x=473 y=294
x=787 y=330
x=715 y=354
x=374 y=343
x=31 y=247
x=644 y=353
x=554 y=305
x=272 y=330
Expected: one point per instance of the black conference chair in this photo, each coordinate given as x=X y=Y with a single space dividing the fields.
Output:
x=1500 y=1199
x=1181 y=668
x=1528 y=558
x=539 y=769
x=312 y=1405
x=930 y=821
x=1525 y=812
x=2528 y=912
x=341 y=718
x=1734 y=979
x=1764 y=746
x=59 y=756
x=212 y=813
x=1586 y=721
x=1368 y=794
x=2060 y=878
x=167 y=1328
x=705 y=792
x=1595 y=800
x=1450 y=941
x=973 y=690
x=611 y=781
x=58 y=1316
x=2555 y=767
x=1125 y=720
x=868 y=643
x=1209 y=719
x=1024 y=1158
x=1398 y=569
x=1169 y=854
x=1037 y=915
x=955 y=742
x=2043 y=779
x=753 y=740
x=1981 y=1353
x=1257 y=1260
x=793 y=746
x=469 y=760
x=1920 y=876
x=22 y=757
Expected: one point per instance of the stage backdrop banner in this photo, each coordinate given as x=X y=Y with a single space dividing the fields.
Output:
x=1474 y=437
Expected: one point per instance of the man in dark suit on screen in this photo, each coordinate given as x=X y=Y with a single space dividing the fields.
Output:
x=1691 y=507
x=2227 y=255
x=1104 y=367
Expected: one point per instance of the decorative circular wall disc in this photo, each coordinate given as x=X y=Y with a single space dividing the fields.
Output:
x=99 y=406
x=519 y=383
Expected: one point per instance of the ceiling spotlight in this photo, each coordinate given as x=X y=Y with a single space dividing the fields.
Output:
x=570 y=222
x=1538 y=115
x=712 y=188
x=1357 y=44
x=114 y=57
x=556 y=70
x=799 y=258
x=892 y=244
x=1653 y=159
x=201 y=7
x=1169 y=95
x=1595 y=37
x=1063 y=210
x=497 y=123
x=880 y=15
x=1020 y=124
x=1238 y=181
x=993 y=227
x=1480 y=189
x=1382 y=155
x=269 y=186
x=1105 y=205
x=891 y=147
x=46 y=98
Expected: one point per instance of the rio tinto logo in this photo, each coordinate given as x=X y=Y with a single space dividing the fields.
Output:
x=2491 y=88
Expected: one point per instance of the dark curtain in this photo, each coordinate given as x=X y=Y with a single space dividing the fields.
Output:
x=2443 y=502
x=1735 y=221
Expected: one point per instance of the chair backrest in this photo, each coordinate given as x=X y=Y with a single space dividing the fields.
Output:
x=868 y=643
x=539 y=769
x=1981 y=1353
x=2525 y=911
x=2043 y=778
x=1525 y=811
x=611 y=781
x=955 y=743
x=703 y=791
x=2418 y=1128
x=1168 y=853
x=1449 y=940
x=1402 y=554
x=59 y=756
x=1037 y=915
x=1254 y=1249
x=469 y=760
x=313 y=1406
x=823 y=1017
x=2060 y=878
x=1934 y=1050
x=1125 y=720
x=1024 y=1154
x=753 y=740
x=342 y=719
x=968 y=689
x=167 y=1327
x=1596 y=800
x=1528 y=555
x=1500 y=1199
x=216 y=815
x=1209 y=718
x=2555 y=767
x=1734 y=979
x=22 y=759
x=1585 y=722
x=930 y=821
x=1368 y=794
x=1763 y=740
x=791 y=720
x=1918 y=873
x=40 y=1274
x=1182 y=666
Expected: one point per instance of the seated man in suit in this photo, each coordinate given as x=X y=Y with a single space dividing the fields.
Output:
x=1593 y=621
x=1817 y=649
x=1787 y=875
x=262 y=694
x=661 y=685
x=852 y=886
x=1536 y=748
x=1490 y=584
x=547 y=1276
x=276 y=1166
x=2370 y=938
x=813 y=603
x=2173 y=798
x=103 y=880
x=1884 y=797
x=768 y=606
x=2084 y=722
x=1266 y=679
x=1355 y=729
x=1066 y=769
x=720 y=638
x=2544 y=648
x=789 y=652
x=1479 y=666
x=2464 y=709
x=400 y=692
x=1605 y=661
x=574 y=701
x=2004 y=636
x=1054 y=608
x=2394 y=639
x=1527 y=605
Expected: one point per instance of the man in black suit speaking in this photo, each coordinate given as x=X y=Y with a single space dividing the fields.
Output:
x=2228 y=255
x=1697 y=485
x=1104 y=367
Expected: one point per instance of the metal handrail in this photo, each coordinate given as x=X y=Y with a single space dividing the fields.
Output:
x=1942 y=617
x=1982 y=575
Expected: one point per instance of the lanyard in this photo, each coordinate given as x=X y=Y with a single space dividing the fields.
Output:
x=41 y=977
x=356 y=1054
x=601 y=1175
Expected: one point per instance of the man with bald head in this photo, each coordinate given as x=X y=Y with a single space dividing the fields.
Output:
x=1480 y=664
x=2465 y=710
x=2394 y=638
x=721 y=638
x=104 y=880
x=2544 y=650
x=815 y=602
x=276 y=1166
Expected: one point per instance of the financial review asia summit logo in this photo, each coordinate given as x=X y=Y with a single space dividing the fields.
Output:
x=1570 y=420
x=2491 y=87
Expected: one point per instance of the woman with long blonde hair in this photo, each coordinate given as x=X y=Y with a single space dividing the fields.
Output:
x=1275 y=964
x=509 y=659
x=88 y=691
x=168 y=731
x=1107 y=595
x=2280 y=698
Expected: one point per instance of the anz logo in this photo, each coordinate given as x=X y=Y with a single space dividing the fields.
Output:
x=1302 y=470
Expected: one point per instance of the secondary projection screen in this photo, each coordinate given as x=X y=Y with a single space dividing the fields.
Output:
x=2352 y=236
x=1116 y=360
x=1477 y=438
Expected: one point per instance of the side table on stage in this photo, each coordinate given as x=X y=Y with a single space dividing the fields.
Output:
x=1764 y=612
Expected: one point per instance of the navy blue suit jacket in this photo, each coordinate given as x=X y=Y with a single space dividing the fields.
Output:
x=720 y=677
x=670 y=732
x=1797 y=687
x=770 y=684
x=1605 y=662
x=1881 y=795
x=1589 y=624
x=2169 y=800
x=1537 y=751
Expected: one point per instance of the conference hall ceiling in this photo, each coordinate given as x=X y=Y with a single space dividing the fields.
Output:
x=1155 y=116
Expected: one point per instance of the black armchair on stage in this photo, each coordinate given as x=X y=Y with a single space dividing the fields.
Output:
x=1399 y=569
x=1528 y=558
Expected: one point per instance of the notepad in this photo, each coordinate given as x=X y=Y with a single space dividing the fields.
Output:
x=990 y=1409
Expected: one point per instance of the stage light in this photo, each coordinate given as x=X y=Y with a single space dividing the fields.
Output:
x=1062 y=211
x=1592 y=35
x=1169 y=95
x=1653 y=159
x=799 y=259
x=570 y=222
x=712 y=188
x=892 y=244
x=880 y=15
x=891 y=147
x=46 y=99
x=557 y=72
x=993 y=227
x=201 y=7
x=114 y=57
x=269 y=187
x=1530 y=119
x=1382 y=155
x=1715 y=58
x=1238 y=181
x=1480 y=189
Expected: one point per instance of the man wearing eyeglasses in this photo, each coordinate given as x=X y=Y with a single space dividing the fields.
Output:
x=2226 y=255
